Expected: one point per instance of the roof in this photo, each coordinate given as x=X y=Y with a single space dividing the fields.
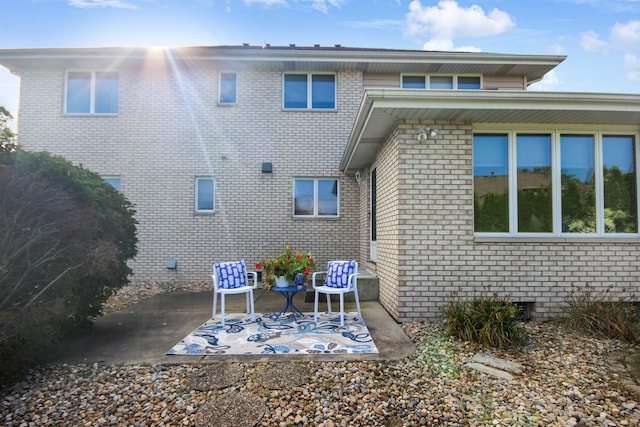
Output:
x=293 y=58
x=381 y=110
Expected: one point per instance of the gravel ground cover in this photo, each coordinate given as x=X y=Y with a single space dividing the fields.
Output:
x=567 y=380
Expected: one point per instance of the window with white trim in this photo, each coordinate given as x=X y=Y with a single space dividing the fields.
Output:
x=555 y=183
x=91 y=92
x=315 y=197
x=227 y=89
x=426 y=81
x=205 y=195
x=309 y=91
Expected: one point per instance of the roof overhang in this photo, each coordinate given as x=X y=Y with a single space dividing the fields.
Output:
x=381 y=110
x=291 y=58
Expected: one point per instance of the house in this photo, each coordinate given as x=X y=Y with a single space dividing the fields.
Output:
x=232 y=152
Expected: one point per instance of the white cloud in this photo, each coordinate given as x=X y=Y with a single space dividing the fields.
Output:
x=632 y=64
x=447 y=21
x=549 y=83
x=379 y=24
x=92 y=4
x=591 y=42
x=267 y=2
x=319 y=5
x=323 y=5
x=626 y=35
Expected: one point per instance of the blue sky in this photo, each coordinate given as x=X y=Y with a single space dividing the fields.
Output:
x=600 y=37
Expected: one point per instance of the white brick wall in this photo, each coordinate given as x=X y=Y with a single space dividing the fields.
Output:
x=428 y=208
x=170 y=130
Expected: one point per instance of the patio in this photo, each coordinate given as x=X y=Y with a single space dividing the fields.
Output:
x=142 y=333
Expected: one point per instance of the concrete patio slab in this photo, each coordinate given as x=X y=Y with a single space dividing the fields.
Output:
x=143 y=332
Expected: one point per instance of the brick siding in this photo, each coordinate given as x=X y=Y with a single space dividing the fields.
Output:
x=170 y=130
x=426 y=244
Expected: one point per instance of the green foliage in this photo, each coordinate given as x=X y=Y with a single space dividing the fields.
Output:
x=535 y=210
x=65 y=239
x=287 y=264
x=7 y=137
x=578 y=205
x=436 y=355
x=488 y=320
x=620 y=201
x=492 y=215
x=600 y=313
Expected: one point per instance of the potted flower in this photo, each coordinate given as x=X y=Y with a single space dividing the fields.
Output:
x=286 y=266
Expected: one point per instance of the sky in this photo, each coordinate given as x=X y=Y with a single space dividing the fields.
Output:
x=601 y=38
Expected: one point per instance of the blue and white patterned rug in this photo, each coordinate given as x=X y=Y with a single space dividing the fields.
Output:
x=240 y=335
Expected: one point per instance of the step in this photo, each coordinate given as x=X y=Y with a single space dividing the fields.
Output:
x=367 y=289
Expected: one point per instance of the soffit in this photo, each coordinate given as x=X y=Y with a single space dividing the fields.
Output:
x=382 y=109
x=289 y=59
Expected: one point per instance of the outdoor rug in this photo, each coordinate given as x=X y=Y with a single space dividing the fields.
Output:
x=265 y=335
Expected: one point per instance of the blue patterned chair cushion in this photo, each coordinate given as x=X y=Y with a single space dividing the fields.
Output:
x=231 y=275
x=338 y=273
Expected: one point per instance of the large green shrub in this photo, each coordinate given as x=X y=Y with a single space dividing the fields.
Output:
x=600 y=312
x=491 y=321
x=65 y=238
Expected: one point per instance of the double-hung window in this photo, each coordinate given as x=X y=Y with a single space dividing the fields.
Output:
x=92 y=92
x=309 y=91
x=315 y=197
x=555 y=183
x=228 y=88
x=205 y=195
x=434 y=82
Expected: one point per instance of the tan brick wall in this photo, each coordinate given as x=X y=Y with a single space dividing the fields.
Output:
x=170 y=130
x=437 y=253
x=388 y=225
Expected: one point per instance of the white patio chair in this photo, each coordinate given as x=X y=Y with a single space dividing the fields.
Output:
x=341 y=278
x=233 y=278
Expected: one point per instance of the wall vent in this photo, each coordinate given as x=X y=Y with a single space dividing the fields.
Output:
x=524 y=310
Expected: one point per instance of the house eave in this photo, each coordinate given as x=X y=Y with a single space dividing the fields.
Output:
x=381 y=109
x=291 y=58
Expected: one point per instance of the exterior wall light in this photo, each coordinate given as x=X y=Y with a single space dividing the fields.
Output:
x=427 y=133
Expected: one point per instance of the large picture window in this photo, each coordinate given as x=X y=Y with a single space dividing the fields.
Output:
x=205 y=194
x=315 y=197
x=555 y=183
x=92 y=92
x=309 y=91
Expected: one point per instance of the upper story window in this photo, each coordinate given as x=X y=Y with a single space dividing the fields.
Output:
x=92 y=92
x=315 y=197
x=309 y=91
x=228 y=88
x=557 y=184
x=422 y=81
x=205 y=195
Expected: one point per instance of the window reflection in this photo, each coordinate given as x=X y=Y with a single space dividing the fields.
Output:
x=491 y=183
x=535 y=212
